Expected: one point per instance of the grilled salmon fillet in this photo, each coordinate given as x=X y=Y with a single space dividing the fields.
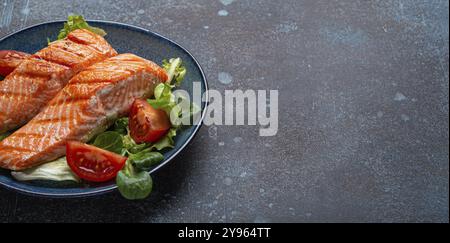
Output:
x=25 y=91
x=88 y=105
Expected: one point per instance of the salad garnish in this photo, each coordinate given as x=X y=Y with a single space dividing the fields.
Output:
x=175 y=70
x=54 y=171
x=133 y=183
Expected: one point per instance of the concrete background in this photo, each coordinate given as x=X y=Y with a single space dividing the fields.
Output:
x=363 y=112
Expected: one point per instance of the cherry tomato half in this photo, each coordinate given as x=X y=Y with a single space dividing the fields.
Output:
x=9 y=60
x=147 y=124
x=92 y=163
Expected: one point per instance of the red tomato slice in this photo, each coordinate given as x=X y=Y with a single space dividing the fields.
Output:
x=92 y=163
x=9 y=60
x=147 y=124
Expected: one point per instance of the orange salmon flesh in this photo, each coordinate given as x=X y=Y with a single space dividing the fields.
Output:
x=90 y=102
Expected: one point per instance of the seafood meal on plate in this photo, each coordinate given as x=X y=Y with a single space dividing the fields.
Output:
x=79 y=111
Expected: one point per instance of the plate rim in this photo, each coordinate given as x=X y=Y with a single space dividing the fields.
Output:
x=111 y=188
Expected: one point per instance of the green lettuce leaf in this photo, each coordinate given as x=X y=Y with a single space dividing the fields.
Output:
x=167 y=141
x=121 y=126
x=109 y=140
x=131 y=147
x=57 y=170
x=164 y=99
x=77 y=22
x=146 y=159
x=175 y=70
x=133 y=183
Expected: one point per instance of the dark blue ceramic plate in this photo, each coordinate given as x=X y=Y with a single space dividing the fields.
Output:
x=125 y=39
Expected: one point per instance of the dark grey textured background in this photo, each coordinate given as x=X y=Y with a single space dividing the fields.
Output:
x=363 y=114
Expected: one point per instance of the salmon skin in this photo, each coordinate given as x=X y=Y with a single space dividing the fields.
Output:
x=88 y=105
x=25 y=91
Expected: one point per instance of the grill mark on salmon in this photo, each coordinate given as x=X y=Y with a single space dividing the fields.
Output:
x=63 y=100
x=59 y=56
x=47 y=120
x=81 y=110
x=80 y=50
x=16 y=149
x=27 y=90
x=21 y=134
x=36 y=66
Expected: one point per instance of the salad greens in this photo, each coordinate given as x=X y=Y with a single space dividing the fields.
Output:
x=164 y=99
x=134 y=184
x=57 y=170
x=175 y=70
x=110 y=140
x=131 y=147
x=167 y=141
x=145 y=159
x=121 y=126
x=77 y=22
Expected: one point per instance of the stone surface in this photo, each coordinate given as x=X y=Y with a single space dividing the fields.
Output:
x=363 y=114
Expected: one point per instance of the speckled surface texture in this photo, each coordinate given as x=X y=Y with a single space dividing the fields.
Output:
x=363 y=114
